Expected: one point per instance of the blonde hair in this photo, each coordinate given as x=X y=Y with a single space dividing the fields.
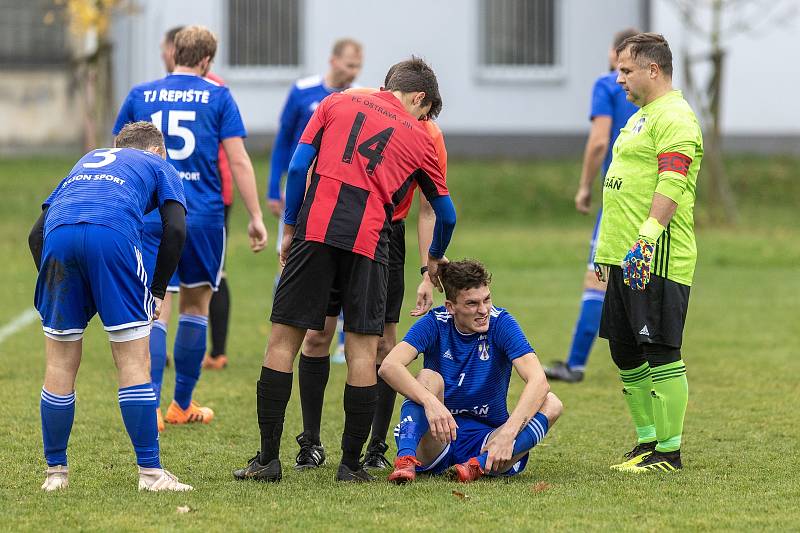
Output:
x=192 y=44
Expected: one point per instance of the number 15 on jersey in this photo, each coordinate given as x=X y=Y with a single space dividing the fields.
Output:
x=174 y=129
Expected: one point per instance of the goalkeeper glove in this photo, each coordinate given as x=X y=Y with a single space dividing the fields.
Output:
x=636 y=265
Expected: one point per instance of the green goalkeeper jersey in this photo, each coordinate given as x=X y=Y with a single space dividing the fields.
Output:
x=658 y=150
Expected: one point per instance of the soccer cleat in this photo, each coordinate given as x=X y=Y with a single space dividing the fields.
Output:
x=57 y=478
x=353 y=476
x=215 y=363
x=195 y=413
x=375 y=457
x=467 y=472
x=311 y=455
x=635 y=455
x=159 y=420
x=158 y=479
x=405 y=469
x=661 y=462
x=271 y=472
x=561 y=372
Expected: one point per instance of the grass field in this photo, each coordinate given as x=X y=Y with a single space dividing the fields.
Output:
x=741 y=349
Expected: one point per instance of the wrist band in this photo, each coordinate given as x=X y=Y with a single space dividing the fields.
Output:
x=652 y=229
x=423 y=270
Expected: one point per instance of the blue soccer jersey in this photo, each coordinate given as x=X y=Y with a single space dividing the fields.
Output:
x=303 y=99
x=608 y=99
x=113 y=187
x=195 y=114
x=476 y=367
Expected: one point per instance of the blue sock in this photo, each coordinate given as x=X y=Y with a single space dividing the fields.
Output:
x=413 y=425
x=530 y=436
x=586 y=328
x=190 y=347
x=138 y=406
x=158 y=357
x=57 y=412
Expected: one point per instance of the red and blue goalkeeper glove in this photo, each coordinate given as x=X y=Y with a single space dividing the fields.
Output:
x=636 y=265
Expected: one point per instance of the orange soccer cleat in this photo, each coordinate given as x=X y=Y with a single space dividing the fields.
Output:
x=159 y=420
x=467 y=472
x=215 y=363
x=405 y=469
x=195 y=413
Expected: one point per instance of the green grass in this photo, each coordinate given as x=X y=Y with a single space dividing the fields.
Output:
x=741 y=435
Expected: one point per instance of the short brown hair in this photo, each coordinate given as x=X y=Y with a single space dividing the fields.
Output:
x=342 y=44
x=415 y=75
x=192 y=44
x=621 y=35
x=141 y=135
x=169 y=37
x=649 y=48
x=462 y=275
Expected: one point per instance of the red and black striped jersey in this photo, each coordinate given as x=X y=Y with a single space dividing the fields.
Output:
x=370 y=152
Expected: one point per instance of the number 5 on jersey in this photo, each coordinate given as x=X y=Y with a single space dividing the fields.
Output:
x=174 y=129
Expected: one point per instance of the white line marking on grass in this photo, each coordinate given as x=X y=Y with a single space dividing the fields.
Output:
x=22 y=320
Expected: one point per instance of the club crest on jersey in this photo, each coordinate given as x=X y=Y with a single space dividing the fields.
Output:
x=639 y=126
x=483 y=351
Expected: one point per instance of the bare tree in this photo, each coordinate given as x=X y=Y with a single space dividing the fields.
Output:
x=716 y=22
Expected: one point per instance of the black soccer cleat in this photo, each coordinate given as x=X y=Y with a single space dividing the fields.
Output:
x=375 y=458
x=633 y=457
x=659 y=462
x=311 y=454
x=353 y=476
x=271 y=472
x=561 y=372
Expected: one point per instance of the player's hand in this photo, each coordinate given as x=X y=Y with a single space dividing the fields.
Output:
x=601 y=272
x=442 y=425
x=636 y=265
x=286 y=244
x=275 y=207
x=583 y=199
x=499 y=451
x=257 y=233
x=433 y=271
x=424 y=296
x=157 y=309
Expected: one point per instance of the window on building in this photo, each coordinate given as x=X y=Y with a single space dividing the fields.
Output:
x=32 y=33
x=520 y=38
x=264 y=33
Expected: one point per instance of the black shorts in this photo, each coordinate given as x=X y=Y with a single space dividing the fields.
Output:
x=653 y=316
x=312 y=270
x=396 y=284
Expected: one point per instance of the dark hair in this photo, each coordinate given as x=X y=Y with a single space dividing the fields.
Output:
x=415 y=75
x=621 y=35
x=169 y=37
x=192 y=44
x=461 y=275
x=141 y=135
x=649 y=48
x=342 y=44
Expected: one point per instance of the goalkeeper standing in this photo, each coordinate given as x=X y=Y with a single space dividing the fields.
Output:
x=646 y=250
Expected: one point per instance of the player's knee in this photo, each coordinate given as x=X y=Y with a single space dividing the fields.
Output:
x=626 y=356
x=552 y=407
x=660 y=354
x=385 y=345
x=431 y=380
x=316 y=343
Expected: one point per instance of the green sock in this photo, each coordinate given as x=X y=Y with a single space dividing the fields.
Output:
x=636 y=390
x=670 y=396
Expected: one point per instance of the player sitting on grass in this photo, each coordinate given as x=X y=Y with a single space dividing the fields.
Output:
x=455 y=413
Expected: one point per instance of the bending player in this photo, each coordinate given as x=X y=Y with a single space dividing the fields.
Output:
x=86 y=247
x=455 y=413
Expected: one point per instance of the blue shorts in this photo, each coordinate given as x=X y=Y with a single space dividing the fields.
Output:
x=88 y=269
x=201 y=261
x=471 y=438
x=593 y=242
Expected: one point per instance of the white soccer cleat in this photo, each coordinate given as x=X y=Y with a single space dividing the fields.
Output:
x=158 y=479
x=56 y=478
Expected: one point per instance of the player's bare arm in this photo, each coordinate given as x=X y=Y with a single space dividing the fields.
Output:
x=394 y=371
x=425 y=223
x=663 y=208
x=245 y=178
x=593 y=155
x=501 y=446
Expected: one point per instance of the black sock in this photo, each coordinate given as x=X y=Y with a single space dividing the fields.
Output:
x=359 y=408
x=272 y=391
x=383 y=410
x=218 y=314
x=312 y=377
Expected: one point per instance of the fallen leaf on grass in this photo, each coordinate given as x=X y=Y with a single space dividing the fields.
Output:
x=460 y=495
x=183 y=509
x=541 y=486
